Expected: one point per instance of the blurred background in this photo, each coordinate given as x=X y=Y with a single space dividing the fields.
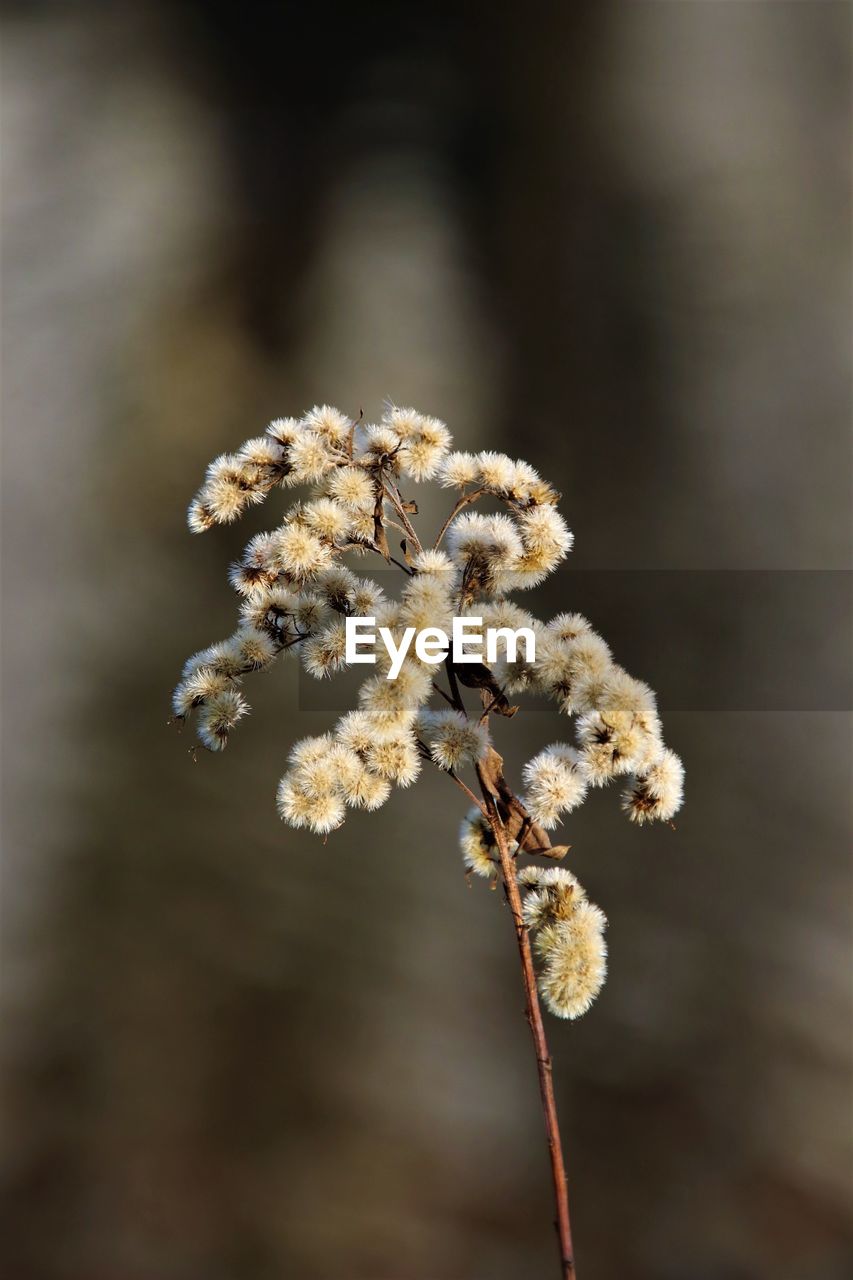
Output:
x=613 y=239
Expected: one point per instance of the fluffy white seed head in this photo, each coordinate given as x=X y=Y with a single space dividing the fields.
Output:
x=552 y=894
x=568 y=626
x=389 y=706
x=356 y=731
x=495 y=471
x=657 y=794
x=328 y=423
x=427 y=601
x=263 y=452
x=310 y=459
x=382 y=443
x=197 y=688
x=367 y=597
x=218 y=716
x=434 y=562
x=285 y=430
x=477 y=844
x=256 y=648
x=458 y=470
x=301 y=553
x=404 y=423
x=324 y=654
x=573 y=955
x=452 y=738
x=307 y=751
x=547 y=540
x=395 y=758
x=329 y=519
x=525 y=484
x=200 y=518
x=366 y=790
x=298 y=807
x=554 y=785
x=337 y=586
x=311 y=611
x=352 y=487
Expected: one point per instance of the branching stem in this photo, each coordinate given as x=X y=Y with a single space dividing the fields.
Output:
x=462 y=502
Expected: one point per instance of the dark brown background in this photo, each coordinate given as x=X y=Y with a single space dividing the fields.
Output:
x=613 y=239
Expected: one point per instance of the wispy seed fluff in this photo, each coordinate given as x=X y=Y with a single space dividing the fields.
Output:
x=622 y=735
x=422 y=451
x=477 y=843
x=328 y=422
x=218 y=716
x=394 y=758
x=301 y=553
x=495 y=471
x=569 y=940
x=428 y=601
x=458 y=470
x=352 y=487
x=299 y=807
x=552 y=894
x=330 y=520
x=573 y=954
x=553 y=784
x=656 y=794
x=452 y=738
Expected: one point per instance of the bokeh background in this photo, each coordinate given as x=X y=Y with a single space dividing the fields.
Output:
x=613 y=239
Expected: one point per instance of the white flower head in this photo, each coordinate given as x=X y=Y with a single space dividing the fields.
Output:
x=352 y=487
x=219 y=715
x=495 y=471
x=458 y=470
x=301 y=553
x=329 y=423
x=478 y=845
x=554 y=784
x=310 y=459
x=285 y=430
x=573 y=953
x=452 y=738
x=329 y=519
x=657 y=794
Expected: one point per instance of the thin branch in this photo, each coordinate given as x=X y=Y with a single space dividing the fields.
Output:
x=487 y=710
x=396 y=501
x=469 y=793
x=461 y=502
x=537 y=1030
x=447 y=698
x=454 y=686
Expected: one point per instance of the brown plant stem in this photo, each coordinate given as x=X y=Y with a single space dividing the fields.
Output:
x=534 y=1019
x=461 y=503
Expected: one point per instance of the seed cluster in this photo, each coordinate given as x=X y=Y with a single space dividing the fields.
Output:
x=299 y=583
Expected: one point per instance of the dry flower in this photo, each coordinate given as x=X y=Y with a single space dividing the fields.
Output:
x=416 y=704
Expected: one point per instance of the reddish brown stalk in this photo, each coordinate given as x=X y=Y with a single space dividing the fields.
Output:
x=537 y=1028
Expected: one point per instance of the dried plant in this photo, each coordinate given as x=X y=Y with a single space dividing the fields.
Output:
x=297 y=595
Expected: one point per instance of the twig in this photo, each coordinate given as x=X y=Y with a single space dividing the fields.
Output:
x=469 y=793
x=447 y=698
x=396 y=500
x=454 y=686
x=460 y=503
x=537 y=1030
